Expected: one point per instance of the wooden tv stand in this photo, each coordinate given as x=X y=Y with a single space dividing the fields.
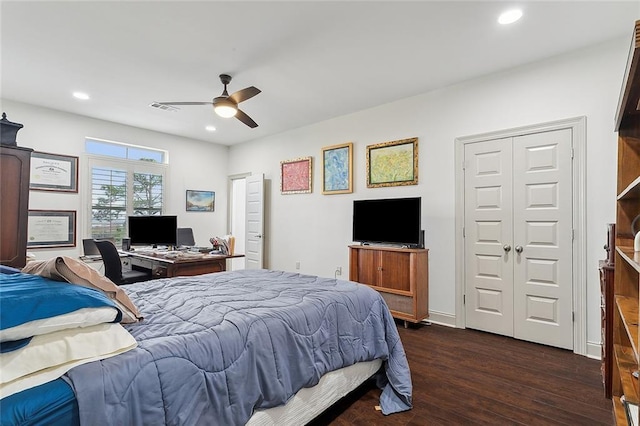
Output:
x=401 y=275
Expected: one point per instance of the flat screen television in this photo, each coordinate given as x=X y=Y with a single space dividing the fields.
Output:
x=153 y=230
x=388 y=221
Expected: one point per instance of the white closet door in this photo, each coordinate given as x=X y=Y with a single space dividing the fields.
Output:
x=542 y=210
x=488 y=236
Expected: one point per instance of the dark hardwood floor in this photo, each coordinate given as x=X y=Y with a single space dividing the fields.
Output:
x=467 y=377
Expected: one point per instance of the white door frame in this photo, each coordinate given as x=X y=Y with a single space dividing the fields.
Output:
x=578 y=128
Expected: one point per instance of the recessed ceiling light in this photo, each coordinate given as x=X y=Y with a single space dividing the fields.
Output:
x=510 y=16
x=210 y=129
x=81 y=95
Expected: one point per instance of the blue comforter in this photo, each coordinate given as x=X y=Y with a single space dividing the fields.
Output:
x=214 y=347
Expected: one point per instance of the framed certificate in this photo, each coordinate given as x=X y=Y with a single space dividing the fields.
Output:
x=53 y=172
x=51 y=228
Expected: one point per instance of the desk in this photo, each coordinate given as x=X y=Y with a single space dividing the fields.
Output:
x=163 y=267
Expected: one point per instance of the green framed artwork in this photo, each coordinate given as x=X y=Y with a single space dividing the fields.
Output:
x=392 y=163
x=337 y=169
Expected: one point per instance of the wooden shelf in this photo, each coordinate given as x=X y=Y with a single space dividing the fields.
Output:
x=626 y=275
x=631 y=192
x=618 y=412
x=628 y=309
x=631 y=257
x=627 y=364
x=392 y=290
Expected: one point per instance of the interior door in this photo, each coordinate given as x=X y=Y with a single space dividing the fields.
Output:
x=488 y=236
x=254 y=227
x=542 y=208
x=519 y=238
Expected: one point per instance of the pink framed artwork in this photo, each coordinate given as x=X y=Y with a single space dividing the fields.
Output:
x=295 y=176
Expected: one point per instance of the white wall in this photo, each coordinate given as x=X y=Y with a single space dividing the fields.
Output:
x=315 y=229
x=192 y=165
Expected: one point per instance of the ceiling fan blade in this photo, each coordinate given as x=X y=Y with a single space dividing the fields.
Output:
x=185 y=103
x=246 y=119
x=244 y=94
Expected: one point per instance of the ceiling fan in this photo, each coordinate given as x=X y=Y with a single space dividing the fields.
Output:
x=226 y=105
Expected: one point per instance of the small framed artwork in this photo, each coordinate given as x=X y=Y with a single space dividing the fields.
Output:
x=337 y=169
x=295 y=176
x=201 y=201
x=392 y=163
x=51 y=228
x=53 y=172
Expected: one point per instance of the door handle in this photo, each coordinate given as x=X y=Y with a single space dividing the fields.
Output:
x=506 y=248
x=259 y=236
x=519 y=249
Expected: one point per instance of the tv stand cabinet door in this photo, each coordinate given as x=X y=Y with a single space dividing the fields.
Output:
x=395 y=270
x=364 y=266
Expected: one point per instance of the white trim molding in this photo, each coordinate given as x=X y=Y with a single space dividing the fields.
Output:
x=441 y=318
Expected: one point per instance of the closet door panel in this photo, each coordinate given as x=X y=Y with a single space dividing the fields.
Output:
x=542 y=188
x=488 y=236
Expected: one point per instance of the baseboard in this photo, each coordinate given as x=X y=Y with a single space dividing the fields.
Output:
x=449 y=320
x=594 y=350
x=441 y=318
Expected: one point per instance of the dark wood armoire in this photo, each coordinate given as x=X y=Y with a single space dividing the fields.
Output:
x=15 y=164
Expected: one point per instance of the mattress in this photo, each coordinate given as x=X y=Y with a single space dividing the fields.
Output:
x=51 y=404
x=54 y=403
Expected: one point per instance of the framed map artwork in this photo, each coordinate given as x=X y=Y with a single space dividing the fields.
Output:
x=295 y=176
x=337 y=169
x=392 y=163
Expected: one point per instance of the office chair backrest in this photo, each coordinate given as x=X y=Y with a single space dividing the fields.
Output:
x=111 y=260
x=184 y=237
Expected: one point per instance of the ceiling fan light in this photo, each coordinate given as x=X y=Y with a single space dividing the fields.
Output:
x=225 y=109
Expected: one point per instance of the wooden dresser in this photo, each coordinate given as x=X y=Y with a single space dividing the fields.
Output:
x=401 y=275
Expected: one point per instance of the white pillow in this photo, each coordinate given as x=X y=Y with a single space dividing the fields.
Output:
x=49 y=356
x=85 y=317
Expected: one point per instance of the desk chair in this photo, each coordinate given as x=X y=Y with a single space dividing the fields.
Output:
x=113 y=265
x=184 y=237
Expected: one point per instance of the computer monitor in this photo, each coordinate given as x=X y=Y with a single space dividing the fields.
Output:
x=89 y=247
x=153 y=230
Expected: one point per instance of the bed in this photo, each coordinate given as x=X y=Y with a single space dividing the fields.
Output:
x=234 y=348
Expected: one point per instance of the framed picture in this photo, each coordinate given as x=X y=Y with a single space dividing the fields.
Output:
x=295 y=176
x=337 y=169
x=51 y=228
x=53 y=172
x=392 y=163
x=201 y=201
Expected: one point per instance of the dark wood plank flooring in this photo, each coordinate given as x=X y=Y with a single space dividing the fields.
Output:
x=467 y=377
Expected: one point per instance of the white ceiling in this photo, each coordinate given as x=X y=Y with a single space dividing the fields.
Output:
x=312 y=60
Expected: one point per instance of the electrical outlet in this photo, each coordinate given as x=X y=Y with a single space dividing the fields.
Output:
x=298 y=265
x=339 y=270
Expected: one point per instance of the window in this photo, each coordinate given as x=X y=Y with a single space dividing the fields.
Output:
x=125 y=180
